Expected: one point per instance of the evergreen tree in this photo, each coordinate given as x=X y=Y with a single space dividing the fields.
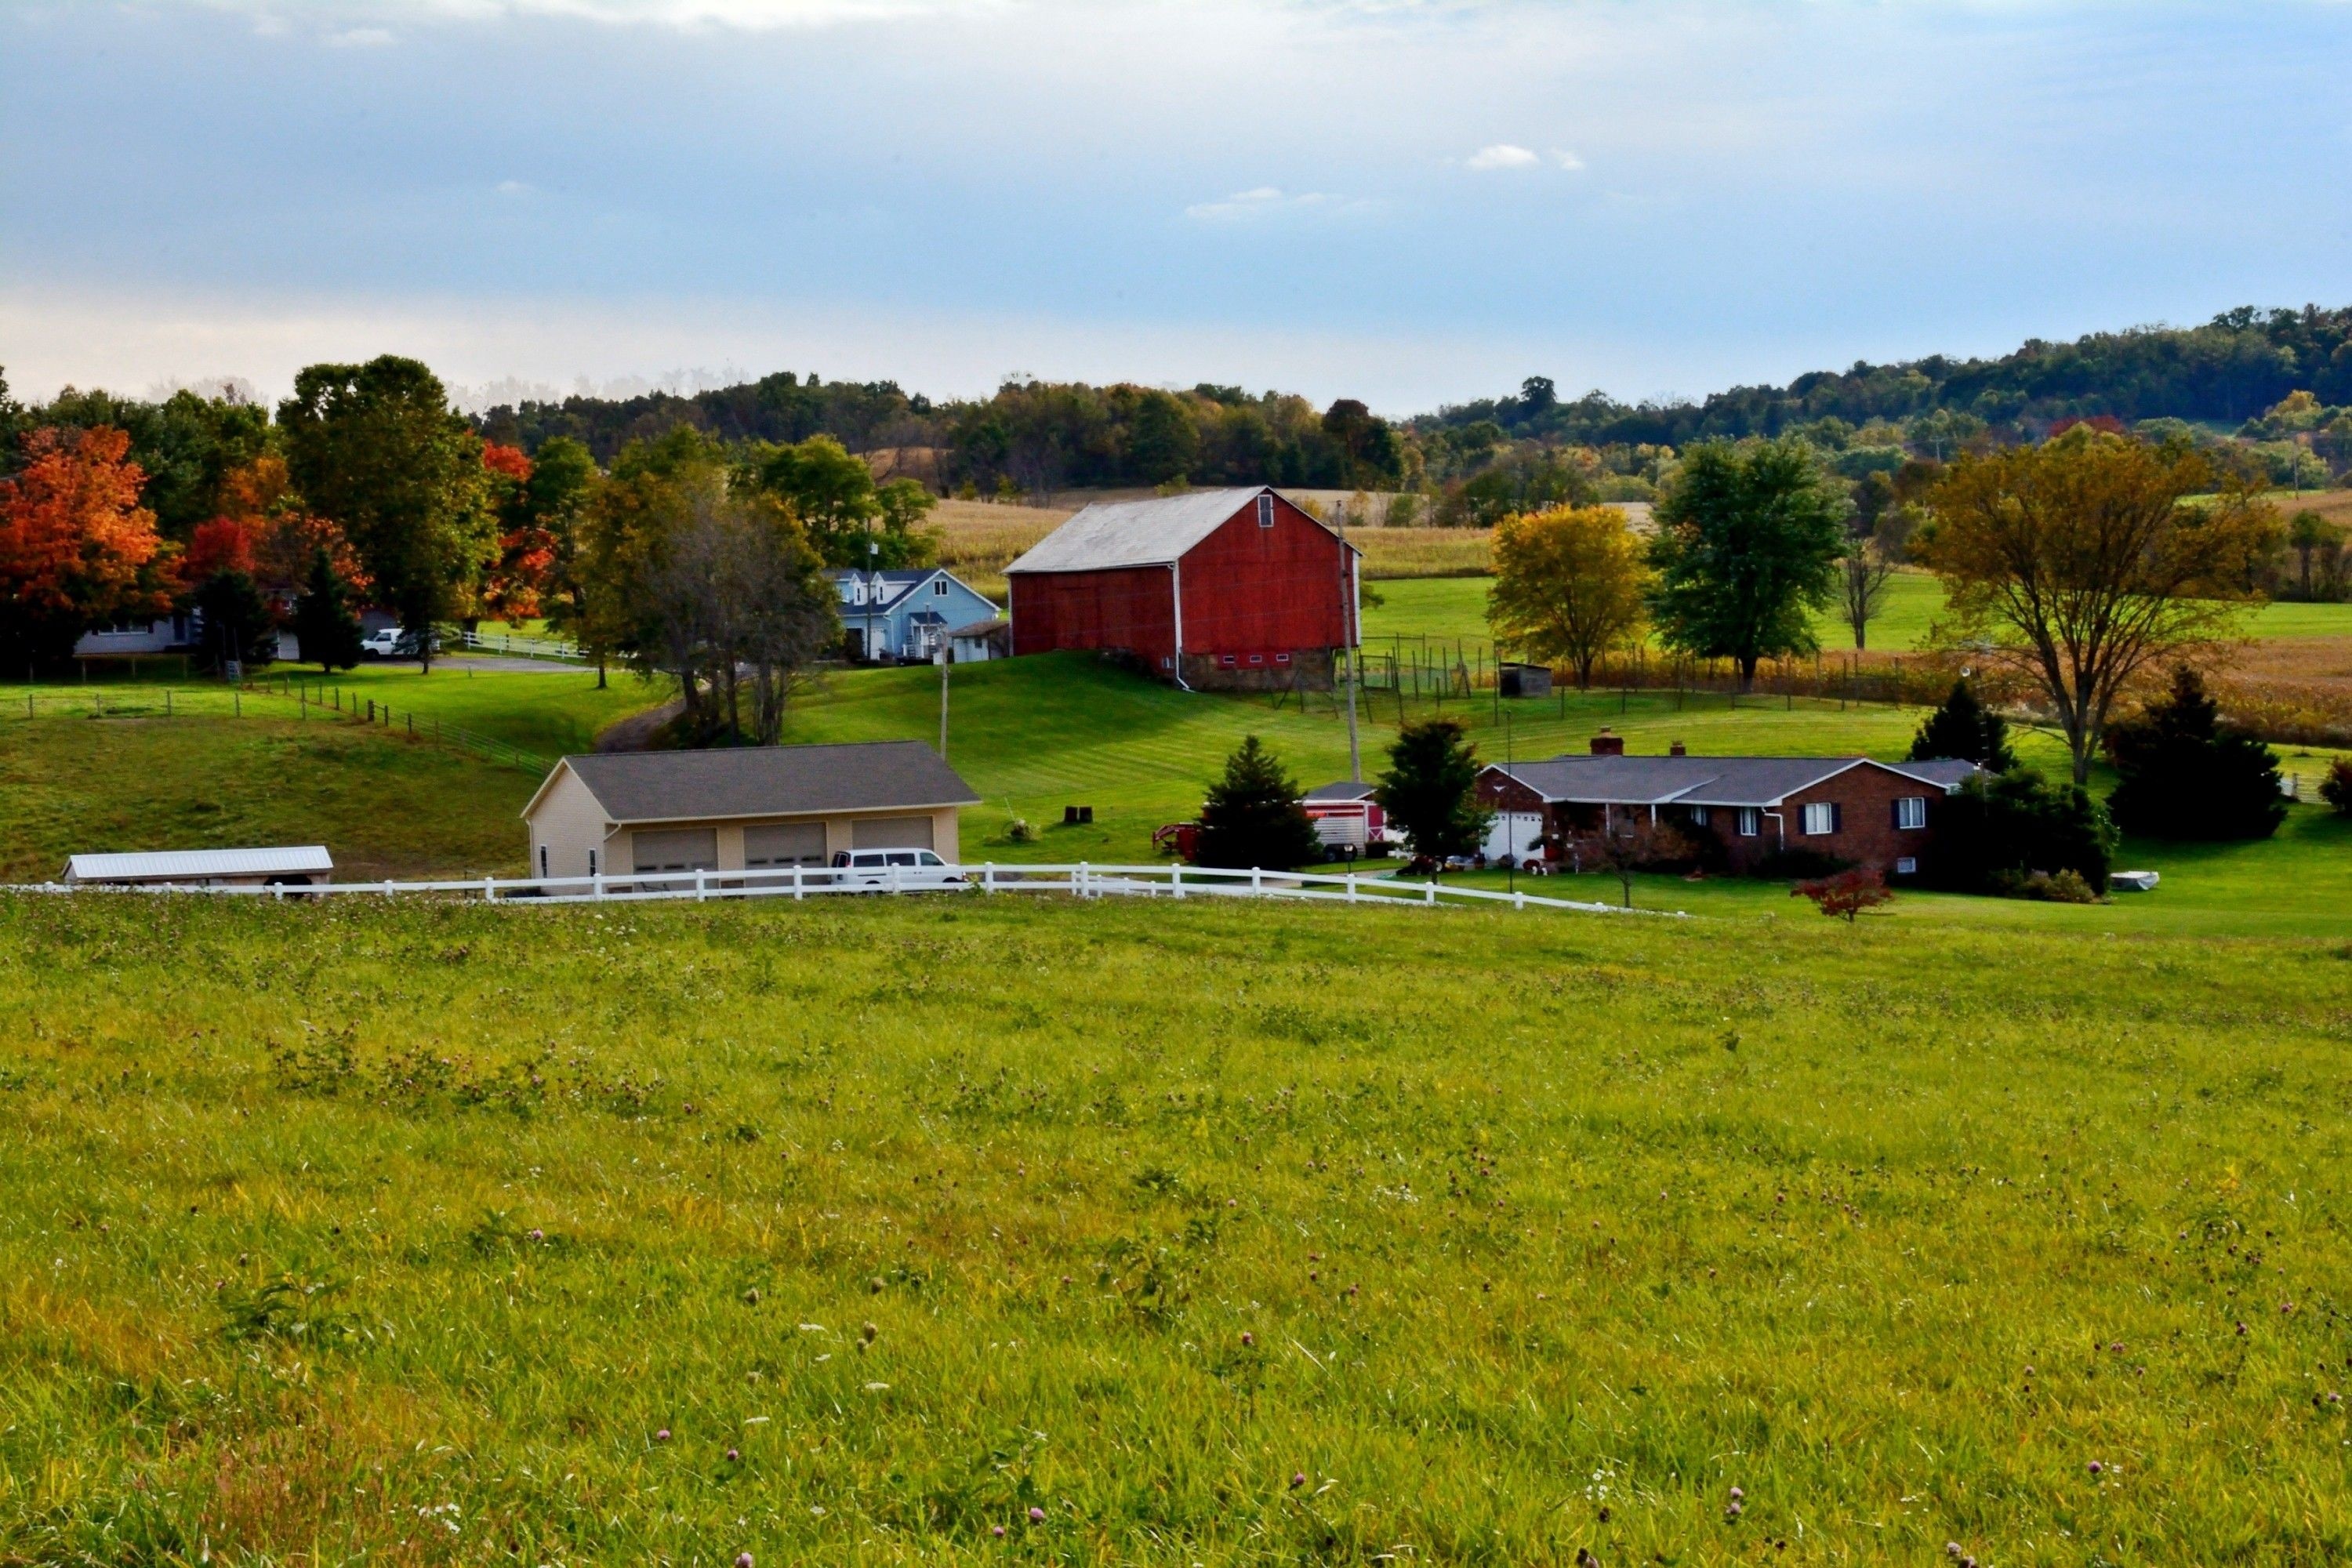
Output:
x=1965 y=728
x=1993 y=832
x=323 y=624
x=2186 y=774
x=238 y=622
x=1427 y=790
x=1253 y=817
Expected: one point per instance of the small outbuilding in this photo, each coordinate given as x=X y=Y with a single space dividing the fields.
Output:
x=980 y=641
x=1346 y=815
x=745 y=808
x=299 y=865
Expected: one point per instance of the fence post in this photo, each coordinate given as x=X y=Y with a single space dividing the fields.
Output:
x=1078 y=883
x=597 y=885
x=1176 y=878
x=700 y=892
x=1428 y=892
x=798 y=889
x=489 y=889
x=1352 y=887
x=988 y=877
x=1257 y=879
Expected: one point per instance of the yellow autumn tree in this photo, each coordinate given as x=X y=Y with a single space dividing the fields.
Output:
x=1568 y=586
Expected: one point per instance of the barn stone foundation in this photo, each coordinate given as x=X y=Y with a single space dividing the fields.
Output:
x=1309 y=669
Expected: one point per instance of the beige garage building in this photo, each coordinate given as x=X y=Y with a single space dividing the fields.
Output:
x=747 y=807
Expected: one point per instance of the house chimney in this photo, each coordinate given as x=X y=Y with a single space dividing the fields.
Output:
x=1677 y=750
x=1605 y=744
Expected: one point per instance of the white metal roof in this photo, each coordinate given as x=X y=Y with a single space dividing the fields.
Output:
x=1134 y=533
x=196 y=864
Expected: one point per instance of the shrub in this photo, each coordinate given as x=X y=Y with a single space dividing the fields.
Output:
x=1020 y=830
x=2186 y=774
x=1848 y=893
x=1784 y=864
x=2062 y=887
x=1996 y=832
x=2336 y=789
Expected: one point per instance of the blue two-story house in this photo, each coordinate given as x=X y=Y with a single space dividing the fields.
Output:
x=906 y=614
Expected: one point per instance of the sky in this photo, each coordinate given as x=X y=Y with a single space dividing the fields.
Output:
x=1414 y=202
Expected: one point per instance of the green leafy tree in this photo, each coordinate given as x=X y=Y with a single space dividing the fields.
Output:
x=238 y=623
x=375 y=448
x=2336 y=789
x=1253 y=817
x=2184 y=773
x=563 y=479
x=1746 y=549
x=1427 y=791
x=1162 y=442
x=323 y=624
x=1965 y=728
x=2318 y=543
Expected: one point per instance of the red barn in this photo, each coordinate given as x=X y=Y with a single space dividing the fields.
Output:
x=1212 y=589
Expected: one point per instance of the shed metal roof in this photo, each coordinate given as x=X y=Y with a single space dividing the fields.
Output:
x=1109 y=534
x=1344 y=789
x=1704 y=781
x=765 y=780
x=198 y=865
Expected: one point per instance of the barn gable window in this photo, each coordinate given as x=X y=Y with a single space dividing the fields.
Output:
x=1266 y=511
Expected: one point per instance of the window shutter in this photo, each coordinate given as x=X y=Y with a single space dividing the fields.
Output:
x=1837 y=818
x=1897 y=807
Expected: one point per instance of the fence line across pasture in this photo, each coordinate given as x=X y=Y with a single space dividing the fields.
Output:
x=1081 y=880
x=323 y=697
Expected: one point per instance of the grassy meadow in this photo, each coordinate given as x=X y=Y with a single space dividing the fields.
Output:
x=1001 y=1231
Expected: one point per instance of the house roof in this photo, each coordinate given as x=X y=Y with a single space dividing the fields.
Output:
x=196 y=864
x=981 y=629
x=1344 y=789
x=1108 y=534
x=764 y=781
x=1704 y=781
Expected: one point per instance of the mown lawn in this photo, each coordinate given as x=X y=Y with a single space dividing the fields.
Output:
x=1160 y=1234
x=1450 y=607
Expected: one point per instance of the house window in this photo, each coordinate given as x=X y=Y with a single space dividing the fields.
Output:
x=1282 y=659
x=1821 y=818
x=1907 y=866
x=1911 y=811
x=591 y=862
x=1752 y=822
x=1266 y=511
x=940 y=586
x=543 y=859
x=1698 y=817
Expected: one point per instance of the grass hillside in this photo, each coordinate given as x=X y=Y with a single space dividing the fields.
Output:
x=1043 y=1232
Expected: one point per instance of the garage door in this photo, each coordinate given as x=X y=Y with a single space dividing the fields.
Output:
x=786 y=844
x=678 y=849
x=891 y=833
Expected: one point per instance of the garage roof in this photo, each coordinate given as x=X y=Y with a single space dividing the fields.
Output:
x=764 y=781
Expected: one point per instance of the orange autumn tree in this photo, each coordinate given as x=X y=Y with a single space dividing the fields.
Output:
x=77 y=550
x=526 y=548
x=284 y=534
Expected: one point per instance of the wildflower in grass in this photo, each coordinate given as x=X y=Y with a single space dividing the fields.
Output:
x=1951 y=1549
x=537 y=1234
x=997 y=1530
x=1298 y=1479
x=1738 y=1496
x=1248 y=1338
x=662 y=1436
x=742 y=1559
x=1732 y=1510
x=1036 y=1514
x=732 y=1455
x=2097 y=1468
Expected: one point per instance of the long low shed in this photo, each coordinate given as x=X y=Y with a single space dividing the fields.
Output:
x=287 y=865
x=741 y=808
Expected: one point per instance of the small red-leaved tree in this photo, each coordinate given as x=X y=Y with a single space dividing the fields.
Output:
x=77 y=550
x=1848 y=893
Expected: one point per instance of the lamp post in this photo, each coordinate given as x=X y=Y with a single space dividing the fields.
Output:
x=1510 y=840
x=873 y=592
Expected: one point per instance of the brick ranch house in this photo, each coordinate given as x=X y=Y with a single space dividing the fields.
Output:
x=1228 y=589
x=1742 y=810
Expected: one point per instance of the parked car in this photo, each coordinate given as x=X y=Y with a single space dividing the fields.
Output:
x=392 y=642
x=892 y=868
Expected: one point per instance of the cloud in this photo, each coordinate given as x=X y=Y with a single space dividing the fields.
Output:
x=516 y=189
x=1266 y=201
x=1502 y=155
x=754 y=16
x=1566 y=159
x=358 y=38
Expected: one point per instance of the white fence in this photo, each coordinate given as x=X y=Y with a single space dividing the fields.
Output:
x=1082 y=879
x=517 y=644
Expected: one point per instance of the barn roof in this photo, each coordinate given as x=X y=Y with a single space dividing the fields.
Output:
x=764 y=781
x=196 y=864
x=1109 y=534
x=1704 y=781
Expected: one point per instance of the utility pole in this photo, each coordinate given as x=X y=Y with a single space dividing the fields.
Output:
x=945 y=656
x=1350 y=587
x=1510 y=837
